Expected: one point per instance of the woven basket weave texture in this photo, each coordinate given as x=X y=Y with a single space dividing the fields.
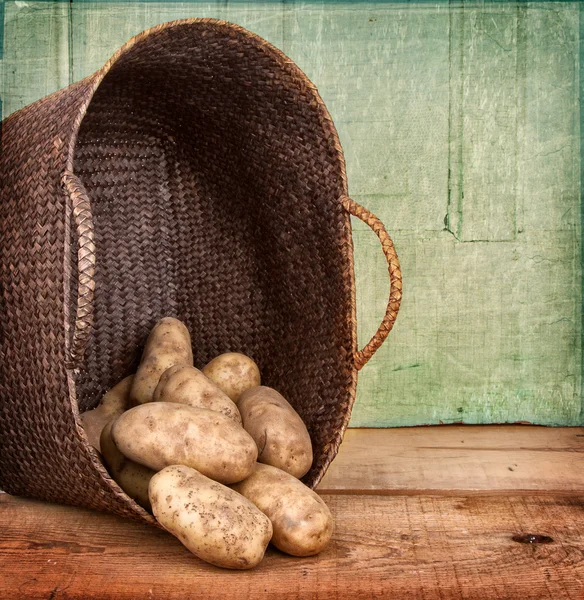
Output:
x=197 y=175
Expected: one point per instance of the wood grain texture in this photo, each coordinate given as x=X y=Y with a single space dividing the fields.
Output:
x=489 y=328
x=460 y=125
x=459 y=459
x=414 y=548
x=35 y=61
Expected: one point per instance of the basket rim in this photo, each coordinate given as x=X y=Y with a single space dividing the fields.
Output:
x=283 y=61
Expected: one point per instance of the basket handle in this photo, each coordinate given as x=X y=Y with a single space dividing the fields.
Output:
x=395 y=277
x=85 y=264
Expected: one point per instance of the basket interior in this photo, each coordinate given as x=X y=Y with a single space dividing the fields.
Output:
x=214 y=183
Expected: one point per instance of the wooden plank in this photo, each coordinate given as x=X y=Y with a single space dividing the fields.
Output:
x=36 y=52
x=514 y=120
x=488 y=332
x=549 y=135
x=382 y=70
x=99 y=28
x=484 y=96
x=414 y=548
x=459 y=459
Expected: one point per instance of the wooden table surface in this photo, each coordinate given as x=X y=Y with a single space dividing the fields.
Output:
x=425 y=513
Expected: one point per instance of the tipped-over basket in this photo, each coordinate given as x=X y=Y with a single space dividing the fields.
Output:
x=199 y=175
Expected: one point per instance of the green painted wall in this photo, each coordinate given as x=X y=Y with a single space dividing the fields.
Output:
x=461 y=128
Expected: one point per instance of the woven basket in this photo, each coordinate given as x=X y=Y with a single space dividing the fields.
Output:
x=198 y=174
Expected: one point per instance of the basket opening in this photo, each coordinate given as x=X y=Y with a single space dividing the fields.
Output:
x=214 y=182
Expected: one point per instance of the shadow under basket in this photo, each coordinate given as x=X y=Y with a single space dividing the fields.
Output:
x=199 y=175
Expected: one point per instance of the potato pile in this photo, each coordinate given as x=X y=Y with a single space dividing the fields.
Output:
x=214 y=455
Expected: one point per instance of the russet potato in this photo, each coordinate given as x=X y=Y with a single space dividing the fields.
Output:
x=233 y=373
x=129 y=475
x=182 y=384
x=168 y=344
x=113 y=404
x=279 y=432
x=302 y=522
x=213 y=522
x=160 y=434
